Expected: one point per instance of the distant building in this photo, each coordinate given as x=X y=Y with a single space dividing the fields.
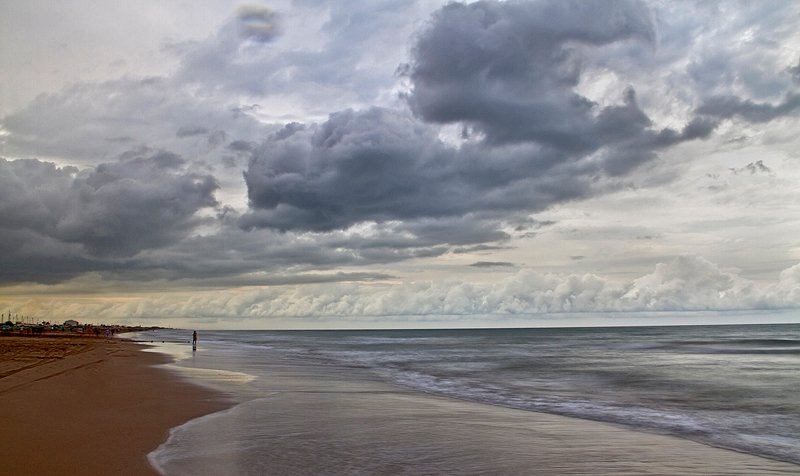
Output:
x=71 y=323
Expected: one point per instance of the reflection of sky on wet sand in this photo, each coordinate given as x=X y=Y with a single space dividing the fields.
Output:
x=177 y=351
x=218 y=376
x=320 y=420
x=678 y=380
x=187 y=364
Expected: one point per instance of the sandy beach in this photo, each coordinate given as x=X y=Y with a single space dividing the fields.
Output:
x=88 y=406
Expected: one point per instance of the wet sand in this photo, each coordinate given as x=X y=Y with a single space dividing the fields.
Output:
x=88 y=406
x=313 y=421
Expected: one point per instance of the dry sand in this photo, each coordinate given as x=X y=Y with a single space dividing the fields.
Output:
x=88 y=406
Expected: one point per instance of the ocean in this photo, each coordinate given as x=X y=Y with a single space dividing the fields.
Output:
x=733 y=387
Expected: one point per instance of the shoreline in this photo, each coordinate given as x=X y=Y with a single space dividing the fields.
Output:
x=89 y=406
x=312 y=420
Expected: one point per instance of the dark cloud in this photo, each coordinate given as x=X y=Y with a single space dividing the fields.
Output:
x=313 y=278
x=479 y=248
x=245 y=109
x=506 y=70
x=121 y=139
x=216 y=138
x=509 y=69
x=133 y=220
x=357 y=166
x=112 y=211
x=242 y=146
x=463 y=230
x=382 y=165
x=529 y=223
x=123 y=208
x=727 y=107
x=272 y=280
x=188 y=131
x=753 y=168
x=492 y=264
x=29 y=256
x=229 y=252
x=794 y=71
x=258 y=23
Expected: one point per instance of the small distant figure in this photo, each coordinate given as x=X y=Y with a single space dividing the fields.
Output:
x=194 y=341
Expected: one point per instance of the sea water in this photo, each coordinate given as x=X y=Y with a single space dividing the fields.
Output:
x=733 y=387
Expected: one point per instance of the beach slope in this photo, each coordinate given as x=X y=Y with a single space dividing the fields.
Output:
x=88 y=406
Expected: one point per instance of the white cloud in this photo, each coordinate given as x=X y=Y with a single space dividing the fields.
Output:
x=687 y=283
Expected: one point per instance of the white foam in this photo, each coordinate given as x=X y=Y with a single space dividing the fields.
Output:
x=212 y=375
x=178 y=351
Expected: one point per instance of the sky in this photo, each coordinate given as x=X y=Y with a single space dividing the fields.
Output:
x=400 y=163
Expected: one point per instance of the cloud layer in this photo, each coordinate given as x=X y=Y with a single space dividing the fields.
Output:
x=312 y=143
x=684 y=284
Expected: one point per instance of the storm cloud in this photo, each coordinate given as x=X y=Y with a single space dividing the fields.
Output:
x=506 y=73
x=731 y=106
x=113 y=210
x=508 y=70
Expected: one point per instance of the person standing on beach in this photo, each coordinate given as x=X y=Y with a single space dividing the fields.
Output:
x=194 y=340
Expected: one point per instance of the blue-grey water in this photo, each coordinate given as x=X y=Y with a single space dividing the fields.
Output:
x=734 y=387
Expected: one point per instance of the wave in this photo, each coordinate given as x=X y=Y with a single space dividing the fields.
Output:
x=725 y=429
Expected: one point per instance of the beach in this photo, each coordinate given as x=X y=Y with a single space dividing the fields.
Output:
x=88 y=406
x=100 y=407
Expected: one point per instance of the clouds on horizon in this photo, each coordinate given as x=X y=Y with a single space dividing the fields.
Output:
x=687 y=283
